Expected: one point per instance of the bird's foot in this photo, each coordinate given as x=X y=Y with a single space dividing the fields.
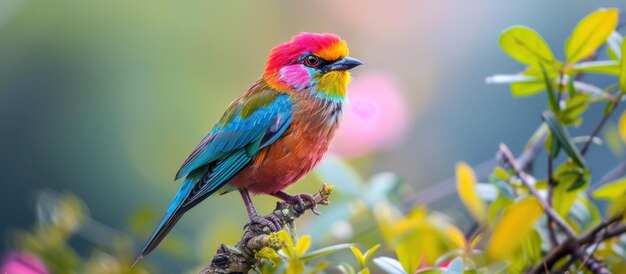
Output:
x=270 y=221
x=298 y=201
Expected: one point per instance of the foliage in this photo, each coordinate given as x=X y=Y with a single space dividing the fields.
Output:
x=523 y=221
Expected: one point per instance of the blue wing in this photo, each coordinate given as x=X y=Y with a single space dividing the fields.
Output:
x=265 y=122
x=229 y=147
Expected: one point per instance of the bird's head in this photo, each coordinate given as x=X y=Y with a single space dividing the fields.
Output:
x=311 y=62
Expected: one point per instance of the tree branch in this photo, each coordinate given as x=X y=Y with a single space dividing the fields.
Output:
x=590 y=237
x=571 y=244
x=241 y=257
x=506 y=152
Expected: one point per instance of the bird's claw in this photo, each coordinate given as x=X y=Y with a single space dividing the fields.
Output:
x=271 y=221
x=300 y=205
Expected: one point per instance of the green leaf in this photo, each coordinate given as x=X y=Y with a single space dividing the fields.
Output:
x=563 y=199
x=524 y=89
x=562 y=136
x=611 y=191
x=571 y=88
x=501 y=174
x=324 y=251
x=389 y=265
x=584 y=213
x=575 y=106
x=554 y=103
x=552 y=146
x=455 y=267
x=580 y=182
x=590 y=33
x=532 y=246
x=526 y=46
x=516 y=222
x=605 y=67
x=496 y=207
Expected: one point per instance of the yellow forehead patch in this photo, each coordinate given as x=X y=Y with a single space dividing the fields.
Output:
x=334 y=51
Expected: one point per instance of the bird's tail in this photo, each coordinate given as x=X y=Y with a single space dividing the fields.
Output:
x=174 y=212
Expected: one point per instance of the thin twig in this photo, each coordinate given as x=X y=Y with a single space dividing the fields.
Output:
x=599 y=126
x=594 y=248
x=551 y=185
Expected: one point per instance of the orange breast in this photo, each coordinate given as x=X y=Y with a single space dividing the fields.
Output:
x=298 y=151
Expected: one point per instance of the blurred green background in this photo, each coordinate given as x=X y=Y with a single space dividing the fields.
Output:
x=106 y=99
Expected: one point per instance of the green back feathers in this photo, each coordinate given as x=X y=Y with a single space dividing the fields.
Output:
x=247 y=105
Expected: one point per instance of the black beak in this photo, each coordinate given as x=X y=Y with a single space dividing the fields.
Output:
x=345 y=63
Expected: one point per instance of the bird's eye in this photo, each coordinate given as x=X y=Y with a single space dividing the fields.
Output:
x=311 y=61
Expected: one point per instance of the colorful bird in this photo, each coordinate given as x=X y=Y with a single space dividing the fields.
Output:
x=270 y=136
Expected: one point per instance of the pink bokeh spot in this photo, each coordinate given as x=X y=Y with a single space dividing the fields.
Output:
x=377 y=116
x=22 y=263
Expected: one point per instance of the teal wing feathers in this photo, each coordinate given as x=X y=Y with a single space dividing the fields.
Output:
x=251 y=123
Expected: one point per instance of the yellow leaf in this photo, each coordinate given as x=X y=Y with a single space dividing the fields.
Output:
x=622 y=76
x=466 y=187
x=318 y=268
x=475 y=241
x=385 y=219
x=283 y=239
x=516 y=222
x=622 y=125
x=295 y=266
x=368 y=254
x=268 y=253
x=358 y=255
x=365 y=271
x=590 y=33
x=303 y=245
x=613 y=140
x=611 y=191
x=526 y=46
x=456 y=236
x=425 y=243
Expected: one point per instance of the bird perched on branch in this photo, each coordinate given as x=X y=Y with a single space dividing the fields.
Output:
x=270 y=136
